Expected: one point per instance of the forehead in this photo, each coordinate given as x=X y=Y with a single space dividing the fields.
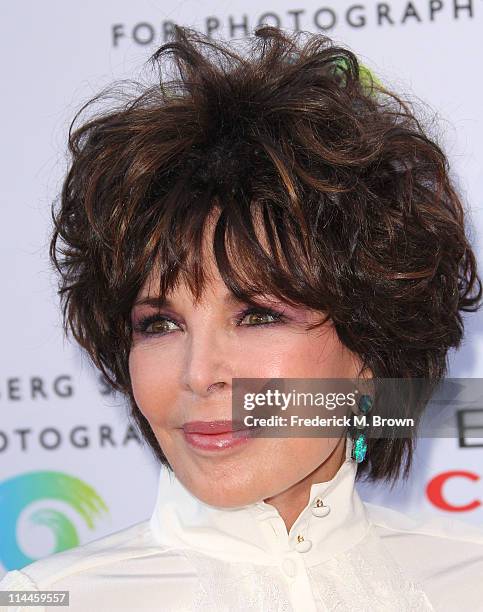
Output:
x=213 y=284
x=213 y=288
x=186 y=266
x=214 y=281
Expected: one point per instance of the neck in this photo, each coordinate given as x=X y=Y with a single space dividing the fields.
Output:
x=293 y=500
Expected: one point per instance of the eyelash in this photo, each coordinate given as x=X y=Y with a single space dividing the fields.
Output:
x=144 y=322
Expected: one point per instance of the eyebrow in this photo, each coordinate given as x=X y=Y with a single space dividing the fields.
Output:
x=160 y=302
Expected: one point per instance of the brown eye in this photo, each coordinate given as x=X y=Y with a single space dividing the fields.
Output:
x=160 y=327
x=259 y=317
x=155 y=325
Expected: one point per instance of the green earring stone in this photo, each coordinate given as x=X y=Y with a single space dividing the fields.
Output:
x=360 y=448
x=365 y=404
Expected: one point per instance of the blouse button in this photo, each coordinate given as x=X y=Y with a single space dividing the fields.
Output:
x=318 y=508
x=302 y=544
x=289 y=567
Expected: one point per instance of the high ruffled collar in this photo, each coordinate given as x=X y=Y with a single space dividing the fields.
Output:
x=256 y=532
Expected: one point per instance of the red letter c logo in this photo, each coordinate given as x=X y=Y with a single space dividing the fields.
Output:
x=434 y=491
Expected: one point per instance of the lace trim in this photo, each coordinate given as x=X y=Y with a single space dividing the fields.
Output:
x=238 y=586
x=366 y=579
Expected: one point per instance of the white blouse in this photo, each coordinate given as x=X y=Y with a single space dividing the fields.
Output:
x=341 y=555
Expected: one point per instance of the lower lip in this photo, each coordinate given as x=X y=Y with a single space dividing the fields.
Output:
x=218 y=442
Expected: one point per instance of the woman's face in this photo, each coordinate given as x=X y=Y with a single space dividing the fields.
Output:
x=176 y=362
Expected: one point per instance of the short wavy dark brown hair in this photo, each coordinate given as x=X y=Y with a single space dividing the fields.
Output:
x=363 y=220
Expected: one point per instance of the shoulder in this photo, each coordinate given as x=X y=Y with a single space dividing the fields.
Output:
x=102 y=567
x=439 y=531
x=126 y=543
x=442 y=553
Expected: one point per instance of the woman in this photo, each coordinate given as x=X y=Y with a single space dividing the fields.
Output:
x=271 y=213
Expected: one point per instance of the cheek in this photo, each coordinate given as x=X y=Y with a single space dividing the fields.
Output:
x=283 y=353
x=307 y=453
x=151 y=384
x=317 y=355
x=296 y=354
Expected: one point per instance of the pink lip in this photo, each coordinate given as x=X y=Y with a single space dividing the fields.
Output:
x=216 y=435
x=213 y=427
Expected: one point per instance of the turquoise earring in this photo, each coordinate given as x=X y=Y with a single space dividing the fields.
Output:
x=359 y=432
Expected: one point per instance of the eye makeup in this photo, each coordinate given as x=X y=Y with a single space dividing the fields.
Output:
x=142 y=324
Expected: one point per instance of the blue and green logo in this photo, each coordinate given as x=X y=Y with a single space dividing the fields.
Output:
x=19 y=492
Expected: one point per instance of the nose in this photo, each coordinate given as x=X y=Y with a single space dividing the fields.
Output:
x=207 y=366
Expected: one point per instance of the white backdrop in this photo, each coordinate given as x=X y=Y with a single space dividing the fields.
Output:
x=71 y=468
